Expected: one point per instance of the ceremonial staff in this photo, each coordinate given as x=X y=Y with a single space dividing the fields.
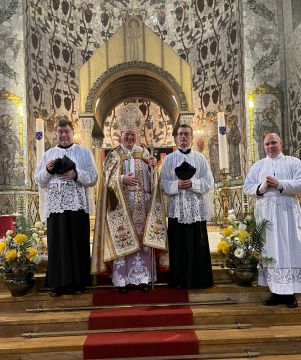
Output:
x=151 y=121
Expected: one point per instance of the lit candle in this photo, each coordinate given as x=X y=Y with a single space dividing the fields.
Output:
x=40 y=142
x=222 y=142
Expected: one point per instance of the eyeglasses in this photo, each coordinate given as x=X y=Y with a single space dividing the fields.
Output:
x=186 y=134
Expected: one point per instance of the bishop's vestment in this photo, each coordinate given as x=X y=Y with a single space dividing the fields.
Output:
x=129 y=219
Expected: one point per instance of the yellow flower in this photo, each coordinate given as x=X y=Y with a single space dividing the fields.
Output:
x=223 y=246
x=32 y=252
x=243 y=235
x=20 y=239
x=228 y=231
x=2 y=246
x=11 y=255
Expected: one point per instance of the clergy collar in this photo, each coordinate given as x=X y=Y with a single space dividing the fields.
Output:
x=185 y=151
x=279 y=156
x=65 y=147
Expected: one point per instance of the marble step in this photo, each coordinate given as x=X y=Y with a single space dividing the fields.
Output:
x=265 y=340
x=273 y=340
x=253 y=314
x=219 y=292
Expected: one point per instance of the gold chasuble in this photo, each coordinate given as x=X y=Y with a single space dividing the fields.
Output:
x=127 y=217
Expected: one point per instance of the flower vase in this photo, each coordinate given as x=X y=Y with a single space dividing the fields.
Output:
x=19 y=284
x=244 y=275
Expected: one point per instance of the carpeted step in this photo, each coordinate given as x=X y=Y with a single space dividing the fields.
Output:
x=158 y=295
x=146 y=343
x=140 y=317
x=135 y=344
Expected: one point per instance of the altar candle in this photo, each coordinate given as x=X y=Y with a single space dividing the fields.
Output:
x=222 y=142
x=40 y=142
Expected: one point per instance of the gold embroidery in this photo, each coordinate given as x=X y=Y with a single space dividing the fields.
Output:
x=138 y=217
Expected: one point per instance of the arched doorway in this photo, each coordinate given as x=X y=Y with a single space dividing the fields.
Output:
x=135 y=63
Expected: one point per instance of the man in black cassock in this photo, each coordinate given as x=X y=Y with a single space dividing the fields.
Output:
x=185 y=178
x=64 y=175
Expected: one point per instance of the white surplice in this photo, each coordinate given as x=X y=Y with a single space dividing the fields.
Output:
x=188 y=206
x=58 y=195
x=282 y=210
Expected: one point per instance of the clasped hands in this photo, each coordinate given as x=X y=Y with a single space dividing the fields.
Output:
x=185 y=184
x=270 y=182
x=131 y=180
x=69 y=175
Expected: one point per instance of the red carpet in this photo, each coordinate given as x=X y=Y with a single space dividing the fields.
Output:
x=135 y=344
x=140 y=317
x=145 y=343
x=158 y=295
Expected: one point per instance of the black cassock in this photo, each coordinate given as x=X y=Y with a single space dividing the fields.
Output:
x=68 y=237
x=189 y=255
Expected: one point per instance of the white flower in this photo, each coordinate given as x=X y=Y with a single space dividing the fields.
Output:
x=239 y=253
x=231 y=211
x=39 y=224
x=242 y=227
x=9 y=232
x=35 y=235
x=231 y=217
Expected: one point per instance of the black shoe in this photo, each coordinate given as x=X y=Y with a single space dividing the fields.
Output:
x=55 y=292
x=77 y=292
x=179 y=287
x=291 y=301
x=122 y=290
x=272 y=299
x=145 y=288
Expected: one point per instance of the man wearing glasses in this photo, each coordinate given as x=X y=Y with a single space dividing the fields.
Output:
x=185 y=178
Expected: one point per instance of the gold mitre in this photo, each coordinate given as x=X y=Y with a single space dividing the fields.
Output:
x=131 y=119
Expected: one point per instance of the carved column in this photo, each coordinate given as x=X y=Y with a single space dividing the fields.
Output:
x=86 y=122
x=97 y=144
x=186 y=118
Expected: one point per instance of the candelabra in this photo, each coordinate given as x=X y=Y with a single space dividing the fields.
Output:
x=225 y=195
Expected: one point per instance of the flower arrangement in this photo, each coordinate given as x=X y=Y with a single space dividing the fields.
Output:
x=22 y=250
x=242 y=242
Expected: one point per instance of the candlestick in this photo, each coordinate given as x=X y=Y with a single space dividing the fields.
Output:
x=40 y=142
x=222 y=142
x=225 y=196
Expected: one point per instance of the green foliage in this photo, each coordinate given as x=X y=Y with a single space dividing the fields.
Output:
x=242 y=242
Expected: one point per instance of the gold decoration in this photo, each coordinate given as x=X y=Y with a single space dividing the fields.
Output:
x=265 y=88
x=131 y=119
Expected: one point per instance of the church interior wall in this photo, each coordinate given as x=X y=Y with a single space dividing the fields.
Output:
x=263 y=80
x=16 y=145
x=292 y=41
x=232 y=46
x=63 y=37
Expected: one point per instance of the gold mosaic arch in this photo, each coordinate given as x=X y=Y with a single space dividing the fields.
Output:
x=135 y=63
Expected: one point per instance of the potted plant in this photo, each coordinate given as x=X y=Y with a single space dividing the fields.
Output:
x=241 y=246
x=21 y=251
